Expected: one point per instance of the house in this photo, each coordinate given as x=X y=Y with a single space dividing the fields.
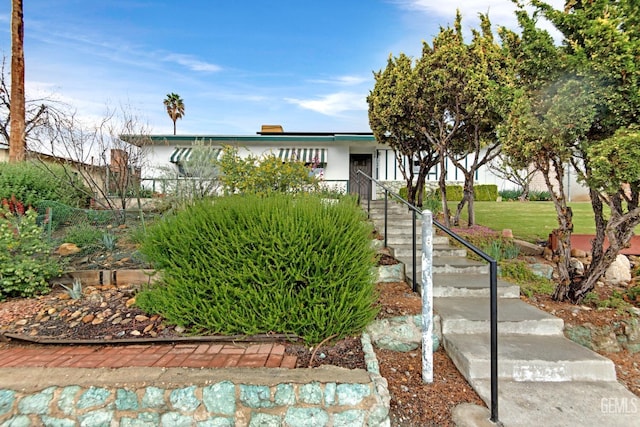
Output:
x=337 y=155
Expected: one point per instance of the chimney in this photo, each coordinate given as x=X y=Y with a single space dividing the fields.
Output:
x=271 y=129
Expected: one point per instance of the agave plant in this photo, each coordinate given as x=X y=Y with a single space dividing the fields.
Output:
x=75 y=292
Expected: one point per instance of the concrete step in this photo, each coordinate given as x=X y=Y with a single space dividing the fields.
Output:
x=470 y=285
x=406 y=239
x=449 y=264
x=440 y=250
x=470 y=315
x=548 y=358
x=554 y=404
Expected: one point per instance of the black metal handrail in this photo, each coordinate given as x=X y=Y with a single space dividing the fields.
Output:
x=493 y=279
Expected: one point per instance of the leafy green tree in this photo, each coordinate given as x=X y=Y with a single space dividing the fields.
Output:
x=175 y=108
x=395 y=117
x=447 y=105
x=487 y=86
x=578 y=104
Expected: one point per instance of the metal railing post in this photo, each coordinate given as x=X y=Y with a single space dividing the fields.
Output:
x=493 y=321
x=493 y=289
x=413 y=240
x=386 y=196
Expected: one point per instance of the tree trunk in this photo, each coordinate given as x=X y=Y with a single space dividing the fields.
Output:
x=17 y=143
x=467 y=199
x=174 y=127
x=442 y=183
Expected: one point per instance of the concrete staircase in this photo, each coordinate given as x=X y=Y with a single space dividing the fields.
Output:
x=544 y=378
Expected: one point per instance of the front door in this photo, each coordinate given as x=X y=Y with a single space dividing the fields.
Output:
x=358 y=184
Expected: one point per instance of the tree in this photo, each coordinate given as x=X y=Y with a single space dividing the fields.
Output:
x=109 y=157
x=507 y=168
x=175 y=108
x=487 y=87
x=17 y=144
x=395 y=117
x=579 y=104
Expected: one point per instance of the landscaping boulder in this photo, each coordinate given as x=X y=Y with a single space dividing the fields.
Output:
x=67 y=249
x=527 y=248
x=619 y=271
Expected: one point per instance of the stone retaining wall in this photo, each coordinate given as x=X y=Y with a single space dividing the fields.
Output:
x=325 y=396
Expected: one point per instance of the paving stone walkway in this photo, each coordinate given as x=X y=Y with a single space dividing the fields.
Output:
x=200 y=355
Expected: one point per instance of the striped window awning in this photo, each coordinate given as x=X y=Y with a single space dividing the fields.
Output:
x=183 y=154
x=180 y=154
x=304 y=155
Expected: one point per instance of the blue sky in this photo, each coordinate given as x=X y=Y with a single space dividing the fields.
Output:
x=306 y=65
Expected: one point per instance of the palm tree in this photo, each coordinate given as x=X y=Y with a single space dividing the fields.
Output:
x=17 y=144
x=175 y=108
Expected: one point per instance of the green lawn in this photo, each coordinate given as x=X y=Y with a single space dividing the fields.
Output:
x=529 y=221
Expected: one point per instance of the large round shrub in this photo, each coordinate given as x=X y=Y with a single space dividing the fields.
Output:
x=31 y=183
x=246 y=264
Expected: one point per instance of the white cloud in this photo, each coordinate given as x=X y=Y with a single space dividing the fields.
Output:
x=343 y=80
x=192 y=63
x=332 y=104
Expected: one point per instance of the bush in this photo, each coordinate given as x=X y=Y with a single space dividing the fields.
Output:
x=539 y=196
x=510 y=194
x=454 y=193
x=83 y=235
x=485 y=192
x=530 y=283
x=246 y=264
x=25 y=264
x=31 y=184
x=263 y=175
x=430 y=200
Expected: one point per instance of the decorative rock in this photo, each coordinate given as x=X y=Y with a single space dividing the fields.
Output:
x=117 y=320
x=256 y=396
x=97 y=321
x=130 y=302
x=578 y=253
x=96 y=418
x=542 y=270
x=184 y=399
x=153 y=398
x=135 y=333
x=507 y=233
x=126 y=400
x=36 y=403
x=527 y=248
x=296 y=416
x=311 y=393
x=148 y=328
x=88 y=318
x=67 y=249
x=266 y=420
x=352 y=417
x=57 y=422
x=94 y=396
x=577 y=266
x=352 y=394
x=219 y=398
x=400 y=333
x=66 y=399
x=176 y=419
x=141 y=318
x=619 y=271
x=7 y=397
